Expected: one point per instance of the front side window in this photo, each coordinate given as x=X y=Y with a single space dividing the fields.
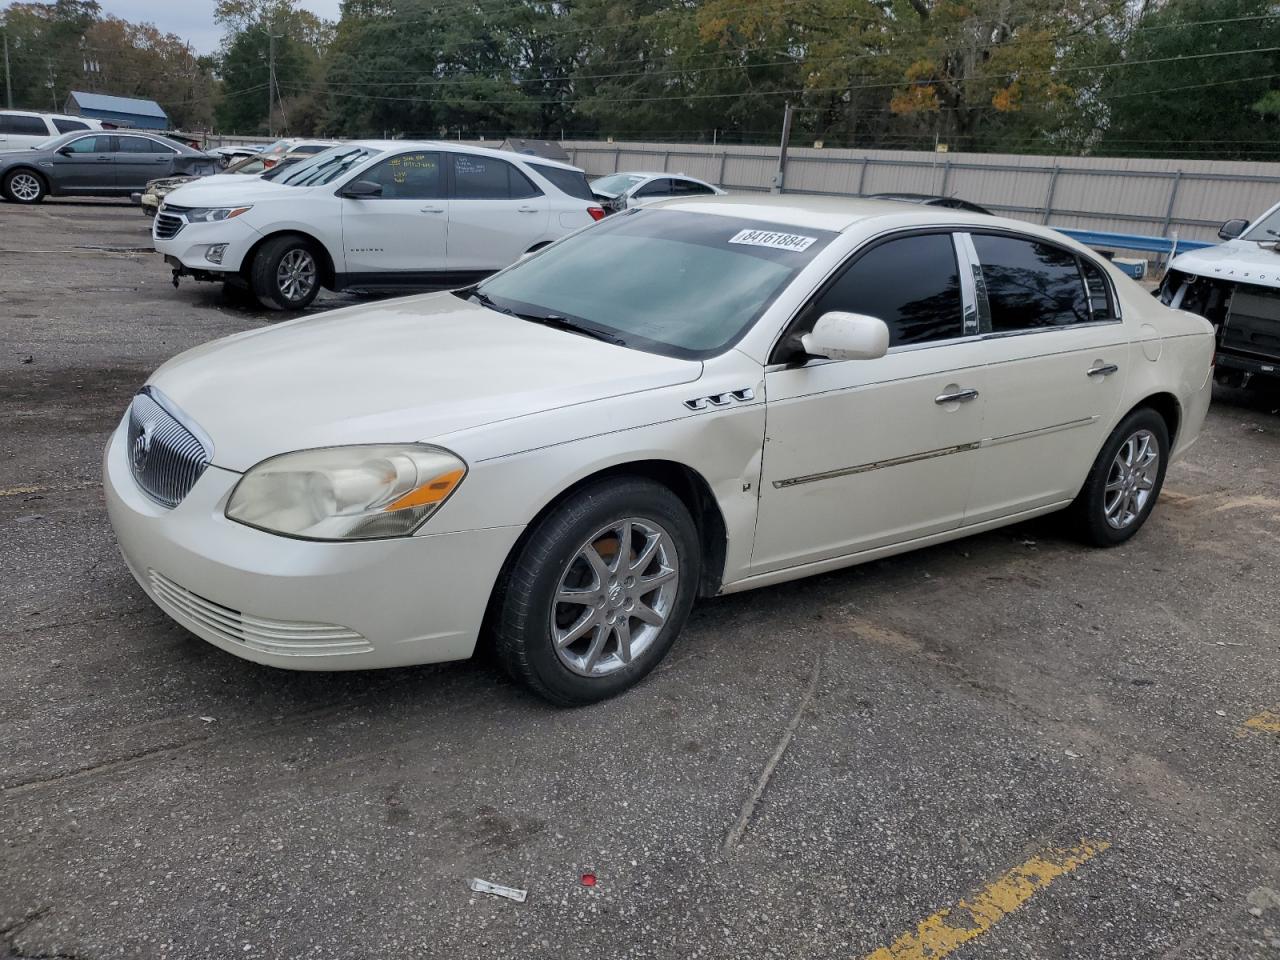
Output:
x=690 y=285
x=90 y=145
x=655 y=188
x=409 y=176
x=23 y=126
x=1030 y=284
x=911 y=283
x=488 y=178
x=66 y=126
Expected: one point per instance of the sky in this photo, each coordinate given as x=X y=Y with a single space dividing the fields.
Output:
x=193 y=19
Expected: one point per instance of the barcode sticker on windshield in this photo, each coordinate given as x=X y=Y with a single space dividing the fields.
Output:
x=767 y=238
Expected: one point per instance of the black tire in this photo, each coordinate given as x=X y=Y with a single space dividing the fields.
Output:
x=1089 y=512
x=523 y=610
x=24 y=186
x=266 y=281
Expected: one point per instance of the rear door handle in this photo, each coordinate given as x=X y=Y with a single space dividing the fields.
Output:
x=960 y=396
x=433 y=209
x=526 y=210
x=1102 y=370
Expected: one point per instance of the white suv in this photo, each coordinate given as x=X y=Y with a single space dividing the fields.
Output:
x=21 y=128
x=371 y=214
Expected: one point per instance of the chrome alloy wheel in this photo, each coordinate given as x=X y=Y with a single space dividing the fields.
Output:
x=24 y=186
x=614 y=597
x=1131 y=479
x=296 y=275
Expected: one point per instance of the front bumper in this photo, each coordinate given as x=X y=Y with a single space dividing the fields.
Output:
x=298 y=604
x=191 y=245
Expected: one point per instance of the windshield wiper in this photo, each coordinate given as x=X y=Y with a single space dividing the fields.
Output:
x=471 y=293
x=557 y=322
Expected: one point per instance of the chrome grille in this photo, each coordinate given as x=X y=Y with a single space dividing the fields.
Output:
x=165 y=455
x=169 y=222
x=283 y=637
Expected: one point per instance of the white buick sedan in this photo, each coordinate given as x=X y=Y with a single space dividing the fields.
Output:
x=684 y=400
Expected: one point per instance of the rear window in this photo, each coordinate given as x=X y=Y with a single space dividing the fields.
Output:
x=572 y=182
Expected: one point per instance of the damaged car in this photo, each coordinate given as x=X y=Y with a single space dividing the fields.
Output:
x=1236 y=287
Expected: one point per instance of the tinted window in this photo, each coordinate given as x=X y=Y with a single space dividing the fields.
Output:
x=912 y=284
x=310 y=148
x=487 y=178
x=1099 y=291
x=90 y=145
x=687 y=188
x=1030 y=284
x=141 y=145
x=409 y=176
x=66 y=126
x=655 y=188
x=572 y=182
x=26 y=126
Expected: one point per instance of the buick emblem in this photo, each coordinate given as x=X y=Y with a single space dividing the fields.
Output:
x=142 y=447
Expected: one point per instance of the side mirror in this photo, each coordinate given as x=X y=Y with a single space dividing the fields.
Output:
x=1232 y=229
x=362 y=188
x=847 y=336
x=65 y=151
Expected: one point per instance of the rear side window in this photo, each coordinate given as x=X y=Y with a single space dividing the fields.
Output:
x=687 y=188
x=912 y=284
x=66 y=126
x=1030 y=284
x=23 y=126
x=488 y=178
x=572 y=182
x=141 y=145
x=1099 y=292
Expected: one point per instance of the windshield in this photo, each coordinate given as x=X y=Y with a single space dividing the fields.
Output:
x=683 y=284
x=326 y=167
x=55 y=142
x=613 y=185
x=1266 y=230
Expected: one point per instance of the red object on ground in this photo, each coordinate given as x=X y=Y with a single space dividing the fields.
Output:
x=588 y=879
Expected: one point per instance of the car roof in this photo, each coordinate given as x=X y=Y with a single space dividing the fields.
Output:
x=840 y=213
x=652 y=175
x=457 y=147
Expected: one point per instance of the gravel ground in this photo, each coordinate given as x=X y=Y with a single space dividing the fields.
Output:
x=912 y=729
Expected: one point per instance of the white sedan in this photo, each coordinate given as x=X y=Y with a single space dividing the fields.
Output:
x=617 y=191
x=684 y=400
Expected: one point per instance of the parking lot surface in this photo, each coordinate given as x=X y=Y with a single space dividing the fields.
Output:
x=1007 y=746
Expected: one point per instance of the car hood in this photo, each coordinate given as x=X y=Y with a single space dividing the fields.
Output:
x=410 y=369
x=230 y=189
x=1242 y=261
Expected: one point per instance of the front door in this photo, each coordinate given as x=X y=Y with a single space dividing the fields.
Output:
x=85 y=164
x=496 y=213
x=403 y=231
x=1057 y=359
x=138 y=160
x=864 y=453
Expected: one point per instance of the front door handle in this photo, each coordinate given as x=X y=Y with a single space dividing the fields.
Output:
x=526 y=210
x=433 y=209
x=1102 y=370
x=960 y=396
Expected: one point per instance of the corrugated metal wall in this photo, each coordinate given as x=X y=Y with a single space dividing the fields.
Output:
x=1157 y=197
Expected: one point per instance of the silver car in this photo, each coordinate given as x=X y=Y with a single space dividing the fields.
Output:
x=93 y=164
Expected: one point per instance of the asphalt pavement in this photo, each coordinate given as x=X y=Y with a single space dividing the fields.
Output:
x=1007 y=746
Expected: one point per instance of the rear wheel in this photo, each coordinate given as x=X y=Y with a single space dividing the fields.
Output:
x=285 y=274
x=24 y=186
x=1125 y=480
x=598 y=592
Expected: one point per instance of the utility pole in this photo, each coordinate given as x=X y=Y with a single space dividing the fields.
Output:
x=271 y=74
x=8 y=81
x=782 y=150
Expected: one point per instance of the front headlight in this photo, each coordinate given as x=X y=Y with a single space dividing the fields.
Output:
x=347 y=493
x=214 y=214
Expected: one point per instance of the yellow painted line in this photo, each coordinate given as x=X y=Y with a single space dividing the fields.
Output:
x=1268 y=721
x=18 y=491
x=37 y=488
x=952 y=927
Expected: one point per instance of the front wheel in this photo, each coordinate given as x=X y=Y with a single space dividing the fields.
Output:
x=1125 y=480
x=23 y=186
x=285 y=274
x=598 y=592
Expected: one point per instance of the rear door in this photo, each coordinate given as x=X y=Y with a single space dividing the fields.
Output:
x=496 y=213
x=85 y=164
x=404 y=230
x=139 y=159
x=1056 y=353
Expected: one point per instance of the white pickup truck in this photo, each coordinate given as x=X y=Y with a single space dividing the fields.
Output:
x=1236 y=287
